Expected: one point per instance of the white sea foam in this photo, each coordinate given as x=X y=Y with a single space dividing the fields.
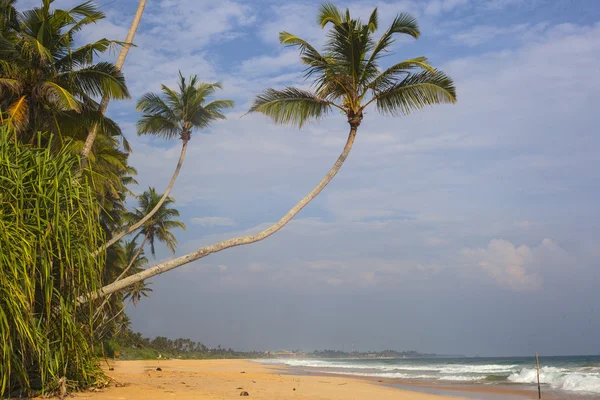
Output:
x=560 y=378
x=388 y=375
x=453 y=369
x=460 y=378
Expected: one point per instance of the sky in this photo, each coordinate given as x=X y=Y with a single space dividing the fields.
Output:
x=461 y=229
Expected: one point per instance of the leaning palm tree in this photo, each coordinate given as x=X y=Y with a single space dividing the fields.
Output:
x=175 y=114
x=91 y=136
x=158 y=227
x=346 y=77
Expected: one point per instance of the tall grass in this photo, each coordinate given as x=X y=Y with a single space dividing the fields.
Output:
x=48 y=227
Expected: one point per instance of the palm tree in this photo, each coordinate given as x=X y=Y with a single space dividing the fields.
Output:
x=134 y=255
x=136 y=264
x=159 y=226
x=346 y=77
x=137 y=291
x=122 y=259
x=91 y=137
x=173 y=115
x=46 y=82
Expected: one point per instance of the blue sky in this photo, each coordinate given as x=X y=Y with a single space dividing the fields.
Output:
x=470 y=228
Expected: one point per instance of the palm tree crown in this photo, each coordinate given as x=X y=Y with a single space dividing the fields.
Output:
x=159 y=226
x=136 y=259
x=347 y=75
x=176 y=113
x=47 y=83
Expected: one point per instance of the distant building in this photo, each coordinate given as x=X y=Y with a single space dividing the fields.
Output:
x=285 y=354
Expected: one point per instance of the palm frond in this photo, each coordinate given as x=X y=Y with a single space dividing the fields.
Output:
x=329 y=13
x=84 y=55
x=390 y=75
x=291 y=106
x=309 y=55
x=59 y=96
x=157 y=125
x=205 y=89
x=10 y=85
x=373 y=21
x=19 y=112
x=403 y=23
x=215 y=108
x=87 y=9
x=102 y=79
x=150 y=103
x=415 y=92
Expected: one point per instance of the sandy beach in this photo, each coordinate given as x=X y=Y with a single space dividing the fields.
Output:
x=227 y=379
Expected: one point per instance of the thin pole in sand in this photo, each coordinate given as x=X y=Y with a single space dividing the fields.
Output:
x=537 y=363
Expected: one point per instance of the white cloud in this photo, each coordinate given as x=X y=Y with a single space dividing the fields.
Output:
x=213 y=221
x=436 y=7
x=222 y=267
x=265 y=65
x=518 y=268
x=257 y=267
x=333 y=281
x=481 y=34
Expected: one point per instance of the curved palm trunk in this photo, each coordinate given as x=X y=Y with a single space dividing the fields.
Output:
x=205 y=251
x=141 y=222
x=91 y=137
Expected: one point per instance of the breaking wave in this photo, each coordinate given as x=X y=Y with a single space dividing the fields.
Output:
x=561 y=378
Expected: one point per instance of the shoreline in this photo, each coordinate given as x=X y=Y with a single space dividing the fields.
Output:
x=462 y=390
x=227 y=379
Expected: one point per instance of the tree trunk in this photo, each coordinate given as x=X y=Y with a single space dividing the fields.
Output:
x=205 y=251
x=121 y=275
x=141 y=222
x=136 y=255
x=91 y=137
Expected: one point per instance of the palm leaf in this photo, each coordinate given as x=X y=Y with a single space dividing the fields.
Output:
x=390 y=75
x=373 y=21
x=150 y=103
x=328 y=12
x=10 y=85
x=60 y=96
x=19 y=111
x=415 y=92
x=157 y=125
x=102 y=79
x=403 y=23
x=291 y=106
x=84 y=55
x=309 y=55
x=215 y=108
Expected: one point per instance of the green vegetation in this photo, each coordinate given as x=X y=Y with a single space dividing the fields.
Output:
x=132 y=346
x=67 y=265
x=48 y=225
x=47 y=83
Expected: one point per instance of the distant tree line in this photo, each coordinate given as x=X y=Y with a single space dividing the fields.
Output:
x=132 y=345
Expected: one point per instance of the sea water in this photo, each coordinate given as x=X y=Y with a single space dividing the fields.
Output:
x=568 y=375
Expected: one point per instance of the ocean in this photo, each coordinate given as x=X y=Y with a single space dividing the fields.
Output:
x=569 y=376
